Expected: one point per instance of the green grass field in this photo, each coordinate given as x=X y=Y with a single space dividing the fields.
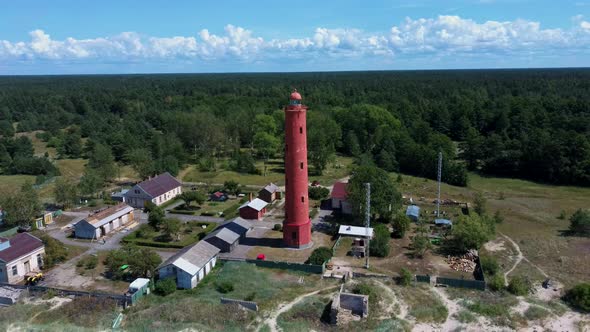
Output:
x=530 y=212
x=201 y=308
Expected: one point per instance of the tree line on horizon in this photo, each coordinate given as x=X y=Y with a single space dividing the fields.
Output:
x=530 y=124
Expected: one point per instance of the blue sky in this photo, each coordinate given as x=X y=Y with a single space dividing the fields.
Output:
x=78 y=37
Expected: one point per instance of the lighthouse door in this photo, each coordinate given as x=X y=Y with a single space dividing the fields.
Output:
x=294 y=238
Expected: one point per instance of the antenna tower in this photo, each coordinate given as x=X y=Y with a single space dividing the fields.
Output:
x=439 y=175
x=367 y=221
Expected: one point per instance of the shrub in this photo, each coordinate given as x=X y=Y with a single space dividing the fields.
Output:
x=401 y=224
x=364 y=289
x=224 y=287
x=380 y=244
x=277 y=227
x=319 y=256
x=489 y=265
x=519 y=286
x=420 y=245
x=165 y=286
x=536 y=313
x=318 y=193
x=91 y=262
x=496 y=283
x=464 y=316
x=144 y=232
x=580 y=223
x=55 y=251
x=250 y=296
x=405 y=277
x=579 y=297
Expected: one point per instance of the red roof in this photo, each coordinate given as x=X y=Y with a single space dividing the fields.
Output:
x=339 y=190
x=20 y=245
x=218 y=194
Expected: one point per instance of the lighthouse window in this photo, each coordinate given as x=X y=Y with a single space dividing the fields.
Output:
x=286 y=147
x=302 y=199
x=301 y=130
x=301 y=165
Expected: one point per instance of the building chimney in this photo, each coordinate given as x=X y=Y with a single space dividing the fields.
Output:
x=250 y=196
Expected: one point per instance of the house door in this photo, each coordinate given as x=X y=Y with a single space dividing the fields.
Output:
x=27 y=267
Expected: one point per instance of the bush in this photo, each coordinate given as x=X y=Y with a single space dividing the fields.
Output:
x=277 y=227
x=91 y=262
x=319 y=256
x=489 y=265
x=224 y=287
x=380 y=244
x=579 y=297
x=165 y=286
x=55 y=251
x=144 y=232
x=536 y=313
x=519 y=286
x=250 y=296
x=401 y=224
x=405 y=277
x=364 y=289
x=496 y=283
x=580 y=223
x=318 y=193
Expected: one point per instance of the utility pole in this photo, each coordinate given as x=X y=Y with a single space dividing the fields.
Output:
x=367 y=221
x=439 y=176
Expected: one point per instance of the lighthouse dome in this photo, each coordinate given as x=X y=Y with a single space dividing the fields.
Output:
x=295 y=95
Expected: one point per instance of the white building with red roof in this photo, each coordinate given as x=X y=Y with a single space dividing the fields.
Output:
x=339 y=198
x=158 y=190
x=19 y=255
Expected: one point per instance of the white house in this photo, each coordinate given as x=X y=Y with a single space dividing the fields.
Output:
x=19 y=255
x=158 y=190
x=103 y=222
x=339 y=197
x=190 y=265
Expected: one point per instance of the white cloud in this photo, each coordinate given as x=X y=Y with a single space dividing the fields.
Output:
x=440 y=36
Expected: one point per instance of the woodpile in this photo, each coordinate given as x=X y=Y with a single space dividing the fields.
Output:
x=465 y=263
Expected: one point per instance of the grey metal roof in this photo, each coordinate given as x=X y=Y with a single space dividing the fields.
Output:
x=257 y=204
x=245 y=224
x=193 y=257
x=271 y=188
x=108 y=215
x=224 y=234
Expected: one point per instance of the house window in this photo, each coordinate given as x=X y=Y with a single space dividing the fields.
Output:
x=301 y=130
x=14 y=270
x=301 y=165
x=39 y=260
x=136 y=191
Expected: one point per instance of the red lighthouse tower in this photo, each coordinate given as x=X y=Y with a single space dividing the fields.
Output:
x=297 y=225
